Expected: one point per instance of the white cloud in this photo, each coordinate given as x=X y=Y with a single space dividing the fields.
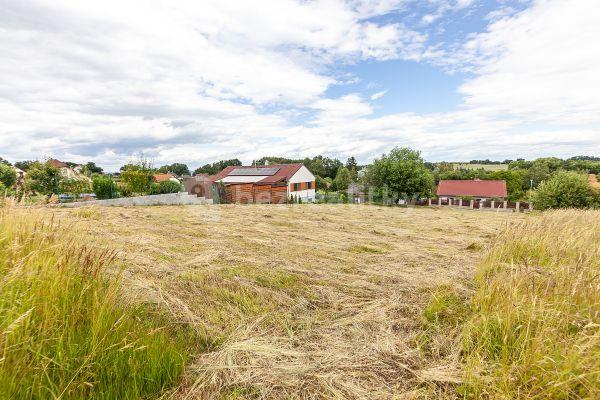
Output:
x=199 y=81
x=378 y=95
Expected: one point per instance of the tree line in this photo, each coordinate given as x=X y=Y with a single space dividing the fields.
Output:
x=402 y=171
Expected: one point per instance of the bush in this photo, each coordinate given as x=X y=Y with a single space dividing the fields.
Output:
x=8 y=176
x=564 y=189
x=104 y=187
x=137 y=180
x=65 y=330
x=169 y=186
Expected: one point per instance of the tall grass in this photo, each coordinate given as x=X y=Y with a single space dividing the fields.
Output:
x=535 y=328
x=65 y=332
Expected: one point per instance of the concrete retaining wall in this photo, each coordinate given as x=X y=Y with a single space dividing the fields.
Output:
x=182 y=198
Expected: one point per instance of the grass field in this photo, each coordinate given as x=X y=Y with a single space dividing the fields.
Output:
x=309 y=301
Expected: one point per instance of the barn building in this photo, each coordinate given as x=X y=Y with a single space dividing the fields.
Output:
x=267 y=184
x=476 y=188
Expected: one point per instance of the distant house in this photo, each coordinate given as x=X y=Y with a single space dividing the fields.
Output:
x=477 y=189
x=267 y=184
x=67 y=171
x=158 y=178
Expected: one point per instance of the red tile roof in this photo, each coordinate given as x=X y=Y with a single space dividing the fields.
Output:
x=162 y=177
x=286 y=171
x=57 y=164
x=474 y=188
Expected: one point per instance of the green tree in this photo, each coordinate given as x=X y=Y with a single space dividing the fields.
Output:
x=402 y=171
x=104 y=187
x=74 y=186
x=564 y=189
x=5 y=162
x=351 y=163
x=137 y=180
x=42 y=178
x=91 y=168
x=514 y=182
x=8 y=176
x=218 y=166
x=321 y=183
x=178 y=169
x=24 y=165
x=342 y=179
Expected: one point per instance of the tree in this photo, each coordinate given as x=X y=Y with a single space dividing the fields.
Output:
x=74 y=186
x=104 y=187
x=8 y=176
x=24 y=165
x=42 y=178
x=320 y=183
x=351 y=163
x=218 y=166
x=6 y=162
x=342 y=179
x=565 y=189
x=90 y=168
x=178 y=169
x=137 y=180
x=514 y=182
x=402 y=171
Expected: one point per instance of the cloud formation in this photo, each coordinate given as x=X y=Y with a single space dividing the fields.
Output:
x=197 y=81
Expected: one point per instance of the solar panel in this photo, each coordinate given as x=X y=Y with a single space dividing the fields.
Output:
x=253 y=171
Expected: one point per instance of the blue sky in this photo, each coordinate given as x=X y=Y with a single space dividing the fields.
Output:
x=196 y=82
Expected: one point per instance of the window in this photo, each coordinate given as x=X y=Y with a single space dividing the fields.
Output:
x=296 y=187
x=309 y=185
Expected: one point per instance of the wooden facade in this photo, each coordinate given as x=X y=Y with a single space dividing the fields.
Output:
x=245 y=193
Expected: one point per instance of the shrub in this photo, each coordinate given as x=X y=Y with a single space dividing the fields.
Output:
x=42 y=178
x=137 y=180
x=564 y=189
x=104 y=187
x=65 y=331
x=8 y=176
x=535 y=330
x=169 y=186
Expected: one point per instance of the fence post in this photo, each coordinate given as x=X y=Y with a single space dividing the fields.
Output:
x=439 y=201
x=460 y=203
x=492 y=206
x=518 y=206
x=471 y=205
x=505 y=204
x=429 y=202
x=530 y=206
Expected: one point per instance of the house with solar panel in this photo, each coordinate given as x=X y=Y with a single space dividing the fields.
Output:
x=273 y=184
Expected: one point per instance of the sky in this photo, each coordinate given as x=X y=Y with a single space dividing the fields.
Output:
x=199 y=81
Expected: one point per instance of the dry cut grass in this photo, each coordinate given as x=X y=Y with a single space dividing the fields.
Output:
x=304 y=301
x=535 y=329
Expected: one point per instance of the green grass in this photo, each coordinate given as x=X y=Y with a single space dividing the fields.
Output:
x=65 y=330
x=535 y=328
x=365 y=249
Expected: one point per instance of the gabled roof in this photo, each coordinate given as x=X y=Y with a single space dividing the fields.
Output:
x=162 y=177
x=284 y=174
x=57 y=164
x=474 y=188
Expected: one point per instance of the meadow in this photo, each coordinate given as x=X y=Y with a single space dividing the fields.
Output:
x=312 y=301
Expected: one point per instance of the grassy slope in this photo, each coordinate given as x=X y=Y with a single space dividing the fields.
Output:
x=300 y=301
x=64 y=330
x=535 y=328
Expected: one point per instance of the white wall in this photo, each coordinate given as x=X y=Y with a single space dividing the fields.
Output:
x=302 y=175
x=306 y=195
